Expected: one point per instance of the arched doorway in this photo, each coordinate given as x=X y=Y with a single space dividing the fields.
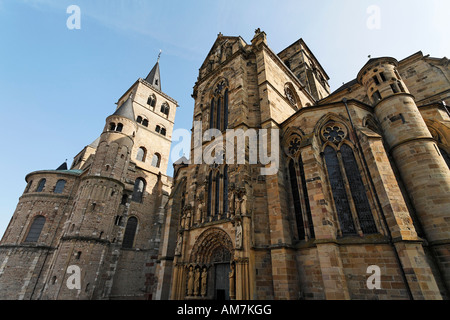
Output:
x=220 y=261
x=213 y=252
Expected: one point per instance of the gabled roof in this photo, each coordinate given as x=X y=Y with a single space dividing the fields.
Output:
x=126 y=109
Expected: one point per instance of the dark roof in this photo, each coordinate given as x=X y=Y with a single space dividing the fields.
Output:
x=62 y=167
x=126 y=109
x=346 y=86
x=154 y=78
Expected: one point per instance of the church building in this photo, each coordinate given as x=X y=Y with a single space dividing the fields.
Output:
x=291 y=191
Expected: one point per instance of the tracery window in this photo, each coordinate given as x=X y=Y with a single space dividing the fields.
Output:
x=217 y=201
x=218 y=113
x=299 y=191
x=347 y=187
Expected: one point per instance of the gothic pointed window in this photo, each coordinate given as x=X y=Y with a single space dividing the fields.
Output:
x=138 y=192
x=297 y=204
x=145 y=123
x=339 y=193
x=212 y=114
x=218 y=114
x=59 y=188
x=358 y=191
x=219 y=107
x=119 y=127
x=35 y=229
x=225 y=190
x=217 y=195
x=299 y=190
x=209 y=200
x=347 y=186
x=130 y=233
x=307 y=205
x=41 y=185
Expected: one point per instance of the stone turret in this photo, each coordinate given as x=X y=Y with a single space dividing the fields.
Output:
x=421 y=166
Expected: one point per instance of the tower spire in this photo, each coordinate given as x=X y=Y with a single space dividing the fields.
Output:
x=154 y=77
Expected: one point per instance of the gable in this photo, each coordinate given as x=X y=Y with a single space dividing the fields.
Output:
x=222 y=50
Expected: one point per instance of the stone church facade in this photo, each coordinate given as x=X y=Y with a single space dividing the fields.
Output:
x=361 y=184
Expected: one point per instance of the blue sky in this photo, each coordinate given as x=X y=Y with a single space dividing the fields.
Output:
x=58 y=85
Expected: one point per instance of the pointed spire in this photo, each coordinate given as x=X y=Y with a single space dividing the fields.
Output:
x=126 y=109
x=154 y=77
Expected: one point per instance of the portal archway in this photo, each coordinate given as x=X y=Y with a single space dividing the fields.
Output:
x=213 y=252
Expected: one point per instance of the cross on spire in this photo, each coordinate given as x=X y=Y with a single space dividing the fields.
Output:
x=159 y=55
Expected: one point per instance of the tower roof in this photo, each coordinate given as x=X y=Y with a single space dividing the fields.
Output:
x=62 y=167
x=126 y=109
x=154 y=77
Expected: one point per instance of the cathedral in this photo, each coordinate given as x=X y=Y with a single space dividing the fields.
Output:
x=344 y=195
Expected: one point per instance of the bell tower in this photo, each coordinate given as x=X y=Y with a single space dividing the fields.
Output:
x=113 y=226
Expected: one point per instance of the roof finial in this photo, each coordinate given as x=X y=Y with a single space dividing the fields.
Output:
x=159 y=55
x=369 y=56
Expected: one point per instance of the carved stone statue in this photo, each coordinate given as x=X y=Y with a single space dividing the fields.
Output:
x=244 y=203
x=179 y=245
x=197 y=282
x=238 y=235
x=204 y=281
x=231 y=199
x=231 y=277
x=199 y=212
x=190 y=281
x=240 y=202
